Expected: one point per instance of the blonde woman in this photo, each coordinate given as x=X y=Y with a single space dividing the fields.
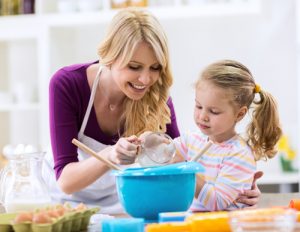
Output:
x=107 y=104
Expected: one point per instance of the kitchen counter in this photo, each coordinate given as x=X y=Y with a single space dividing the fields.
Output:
x=277 y=199
x=266 y=200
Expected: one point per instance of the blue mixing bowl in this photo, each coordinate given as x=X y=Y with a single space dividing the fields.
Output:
x=146 y=192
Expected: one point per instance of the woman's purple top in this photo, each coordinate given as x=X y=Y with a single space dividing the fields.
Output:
x=69 y=94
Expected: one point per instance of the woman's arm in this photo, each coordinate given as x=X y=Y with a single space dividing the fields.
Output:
x=172 y=128
x=78 y=175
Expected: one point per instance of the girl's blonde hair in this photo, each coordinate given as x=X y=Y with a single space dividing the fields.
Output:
x=264 y=130
x=127 y=29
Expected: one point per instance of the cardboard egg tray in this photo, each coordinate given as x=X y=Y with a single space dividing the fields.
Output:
x=69 y=222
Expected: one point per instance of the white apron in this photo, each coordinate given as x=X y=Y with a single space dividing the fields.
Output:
x=103 y=191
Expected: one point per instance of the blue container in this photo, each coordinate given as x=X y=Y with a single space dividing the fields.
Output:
x=123 y=225
x=173 y=216
x=146 y=192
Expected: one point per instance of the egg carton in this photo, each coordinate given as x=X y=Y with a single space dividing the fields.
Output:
x=70 y=222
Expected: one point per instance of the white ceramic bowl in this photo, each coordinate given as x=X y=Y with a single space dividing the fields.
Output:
x=263 y=220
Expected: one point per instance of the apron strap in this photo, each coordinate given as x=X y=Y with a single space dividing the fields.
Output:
x=91 y=102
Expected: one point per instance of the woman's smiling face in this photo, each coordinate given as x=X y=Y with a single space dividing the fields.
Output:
x=142 y=71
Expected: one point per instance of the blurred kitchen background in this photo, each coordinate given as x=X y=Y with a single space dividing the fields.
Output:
x=38 y=37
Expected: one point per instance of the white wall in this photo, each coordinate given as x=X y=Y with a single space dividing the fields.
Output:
x=265 y=42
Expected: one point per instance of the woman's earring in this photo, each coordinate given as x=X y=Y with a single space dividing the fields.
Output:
x=160 y=81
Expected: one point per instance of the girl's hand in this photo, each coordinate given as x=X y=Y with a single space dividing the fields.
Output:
x=251 y=197
x=178 y=158
x=125 y=150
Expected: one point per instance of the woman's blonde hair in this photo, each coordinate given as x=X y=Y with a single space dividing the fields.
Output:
x=127 y=29
x=264 y=130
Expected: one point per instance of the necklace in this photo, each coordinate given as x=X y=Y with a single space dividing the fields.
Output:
x=111 y=107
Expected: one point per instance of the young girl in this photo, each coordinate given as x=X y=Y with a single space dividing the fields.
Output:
x=224 y=93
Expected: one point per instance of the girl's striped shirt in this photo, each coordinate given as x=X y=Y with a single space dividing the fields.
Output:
x=229 y=170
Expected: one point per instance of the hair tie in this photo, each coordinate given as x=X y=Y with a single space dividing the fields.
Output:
x=257 y=88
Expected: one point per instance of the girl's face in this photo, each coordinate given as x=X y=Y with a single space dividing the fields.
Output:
x=214 y=113
x=142 y=71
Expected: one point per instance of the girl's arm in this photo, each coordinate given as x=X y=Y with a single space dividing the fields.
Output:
x=251 y=197
x=235 y=174
x=200 y=182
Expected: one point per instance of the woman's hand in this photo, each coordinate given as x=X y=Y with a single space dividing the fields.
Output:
x=251 y=197
x=125 y=150
x=144 y=135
